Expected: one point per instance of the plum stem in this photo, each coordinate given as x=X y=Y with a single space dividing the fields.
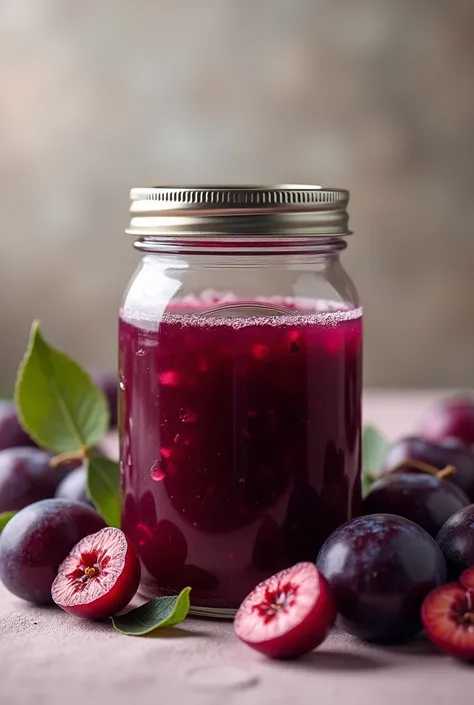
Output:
x=425 y=467
x=446 y=472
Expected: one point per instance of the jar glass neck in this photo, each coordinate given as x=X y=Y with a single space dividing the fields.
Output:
x=242 y=246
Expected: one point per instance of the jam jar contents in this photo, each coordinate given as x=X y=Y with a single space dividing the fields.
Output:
x=241 y=441
x=239 y=418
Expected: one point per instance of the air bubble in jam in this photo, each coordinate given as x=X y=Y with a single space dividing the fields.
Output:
x=188 y=416
x=157 y=472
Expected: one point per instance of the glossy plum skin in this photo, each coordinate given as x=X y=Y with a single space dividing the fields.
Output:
x=424 y=499
x=74 y=487
x=451 y=417
x=380 y=569
x=26 y=477
x=36 y=541
x=453 y=442
x=108 y=382
x=12 y=434
x=415 y=448
x=456 y=541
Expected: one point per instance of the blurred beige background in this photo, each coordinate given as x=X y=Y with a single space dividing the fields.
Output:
x=375 y=95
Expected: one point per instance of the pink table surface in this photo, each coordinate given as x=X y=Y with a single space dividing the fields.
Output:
x=47 y=656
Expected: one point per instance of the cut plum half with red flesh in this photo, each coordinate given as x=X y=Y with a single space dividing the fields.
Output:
x=448 y=618
x=99 y=577
x=289 y=614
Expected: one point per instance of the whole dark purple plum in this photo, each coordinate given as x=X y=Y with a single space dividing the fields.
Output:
x=35 y=542
x=456 y=541
x=453 y=442
x=437 y=456
x=26 y=477
x=12 y=434
x=450 y=417
x=74 y=487
x=425 y=499
x=108 y=382
x=380 y=569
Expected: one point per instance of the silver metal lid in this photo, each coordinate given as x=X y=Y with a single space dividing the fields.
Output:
x=230 y=211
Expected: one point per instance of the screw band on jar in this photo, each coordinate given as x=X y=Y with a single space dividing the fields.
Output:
x=229 y=211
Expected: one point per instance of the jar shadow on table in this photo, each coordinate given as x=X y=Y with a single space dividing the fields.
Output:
x=419 y=646
x=175 y=633
x=341 y=661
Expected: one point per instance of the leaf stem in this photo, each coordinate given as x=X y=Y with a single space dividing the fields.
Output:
x=66 y=457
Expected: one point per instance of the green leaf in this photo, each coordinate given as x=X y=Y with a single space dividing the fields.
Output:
x=374 y=450
x=58 y=403
x=5 y=518
x=103 y=486
x=155 y=614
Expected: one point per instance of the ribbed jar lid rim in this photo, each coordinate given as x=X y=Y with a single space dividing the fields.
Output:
x=228 y=211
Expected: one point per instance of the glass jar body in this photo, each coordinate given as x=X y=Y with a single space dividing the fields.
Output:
x=240 y=417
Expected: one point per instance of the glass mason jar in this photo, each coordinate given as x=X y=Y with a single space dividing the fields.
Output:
x=240 y=386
